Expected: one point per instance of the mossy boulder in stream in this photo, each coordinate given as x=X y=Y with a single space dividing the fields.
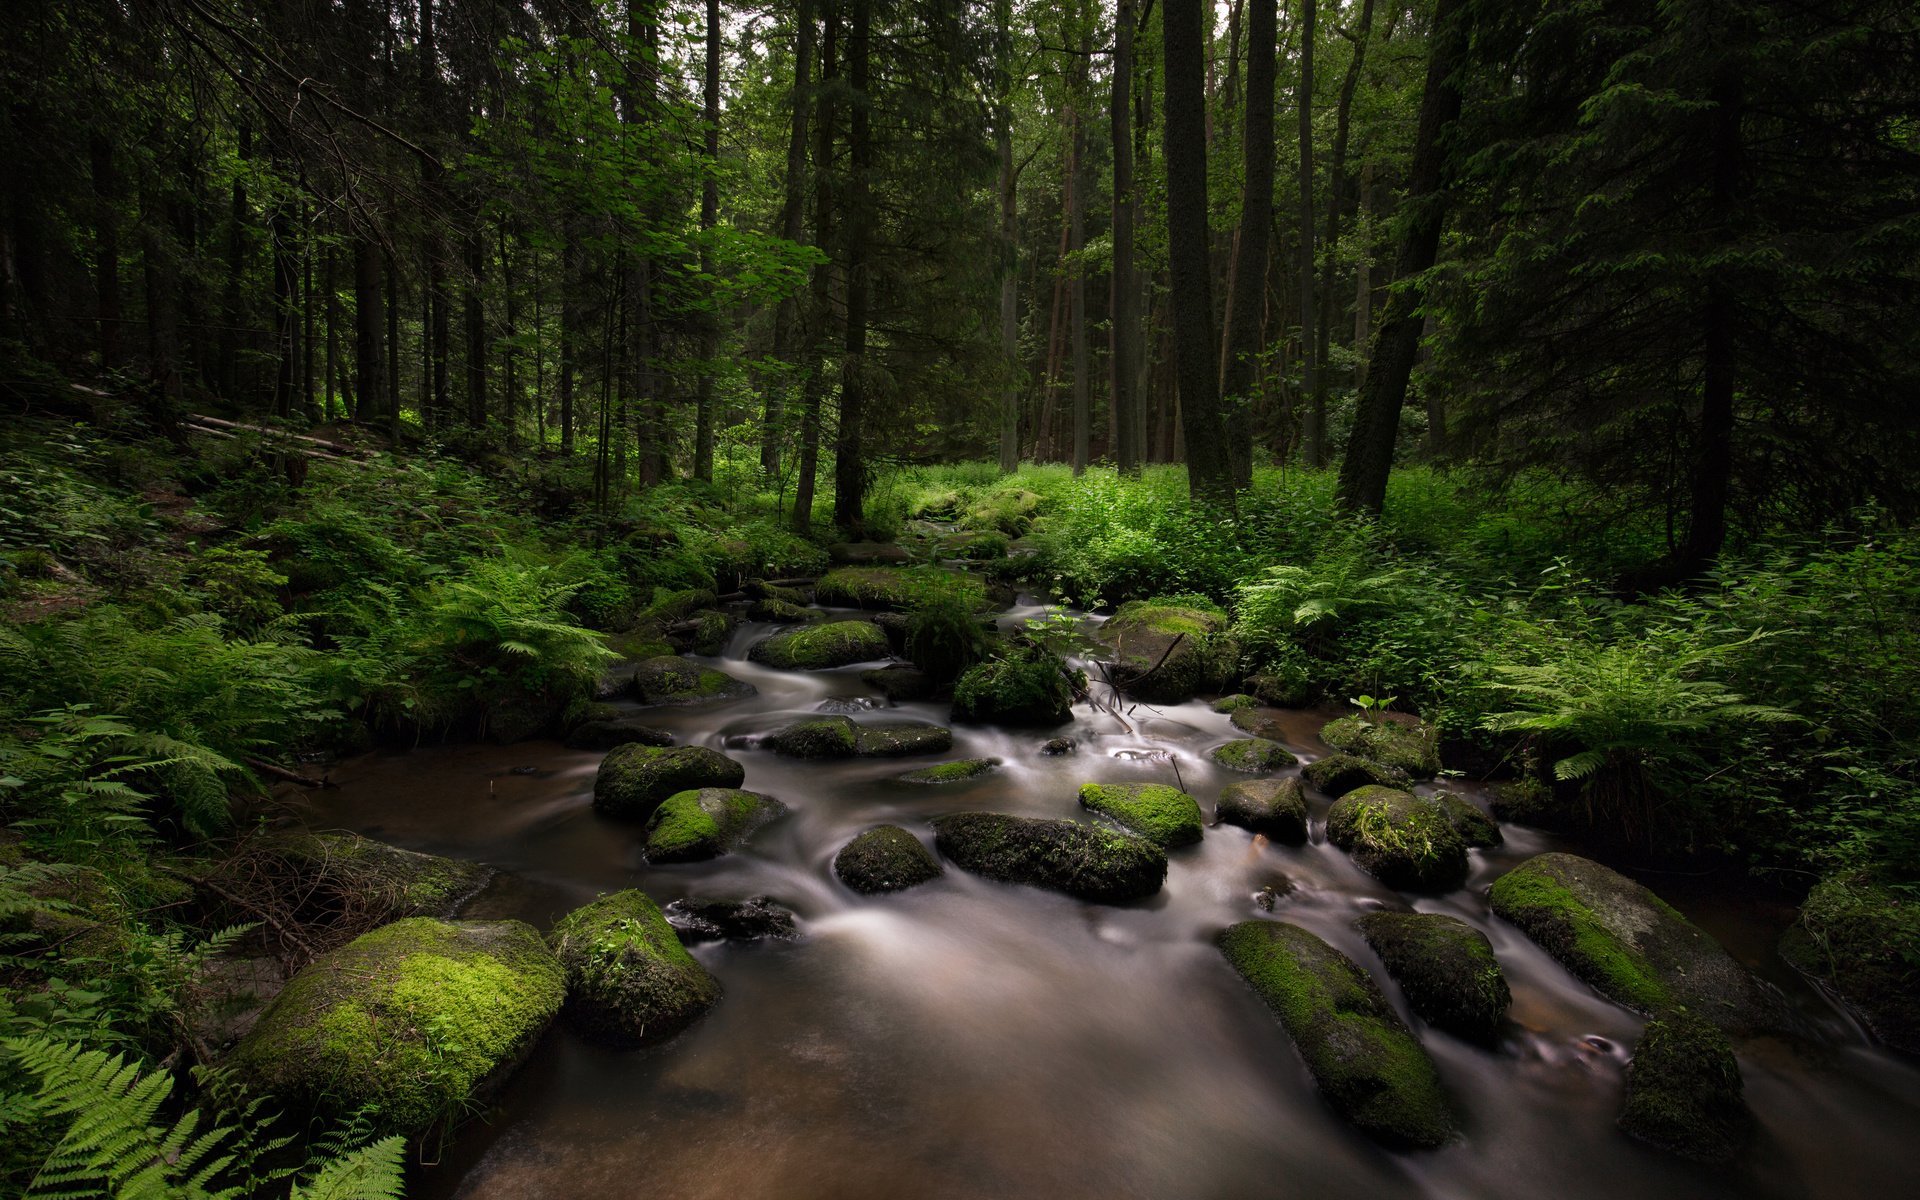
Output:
x=1338 y=774
x=1862 y=940
x=1085 y=861
x=1403 y=840
x=412 y=1020
x=885 y=859
x=382 y=879
x=673 y=681
x=1628 y=944
x=1260 y=722
x=760 y=589
x=952 y=772
x=1274 y=807
x=819 y=647
x=634 y=779
x=1030 y=688
x=1367 y=1065
x=1167 y=650
x=902 y=739
x=898 y=588
x=1163 y=815
x=703 y=823
x=782 y=612
x=1474 y=826
x=1683 y=1091
x=630 y=982
x=1446 y=969
x=1234 y=703
x=1411 y=749
x=1255 y=756
x=840 y=737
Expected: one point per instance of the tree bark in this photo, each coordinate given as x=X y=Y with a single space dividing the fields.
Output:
x=1249 y=288
x=1309 y=374
x=709 y=215
x=813 y=382
x=793 y=212
x=106 y=248
x=1077 y=224
x=1009 y=239
x=370 y=322
x=1124 y=320
x=850 y=467
x=1336 y=194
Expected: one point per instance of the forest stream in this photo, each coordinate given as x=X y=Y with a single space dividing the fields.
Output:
x=978 y=1039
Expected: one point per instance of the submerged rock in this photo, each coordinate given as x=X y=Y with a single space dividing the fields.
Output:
x=607 y=734
x=952 y=772
x=1260 y=723
x=1164 y=815
x=1683 y=1091
x=1274 y=807
x=731 y=920
x=705 y=823
x=819 y=647
x=634 y=779
x=413 y=1020
x=1255 y=756
x=1338 y=774
x=1166 y=652
x=1475 y=827
x=1445 y=968
x=1629 y=944
x=1403 y=840
x=1085 y=861
x=902 y=740
x=899 y=682
x=1412 y=749
x=629 y=980
x=885 y=858
x=1862 y=940
x=1367 y=1065
x=1054 y=747
x=673 y=681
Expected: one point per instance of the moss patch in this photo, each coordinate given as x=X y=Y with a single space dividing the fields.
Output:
x=634 y=779
x=1021 y=689
x=1338 y=774
x=1234 y=703
x=673 y=681
x=1863 y=941
x=1081 y=860
x=1475 y=827
x=835 y=644
x=1369 y=1068
x=1412 y=749
x=1274 y=807
x=1683 y=1091
x=705 y=823
x=1255 y=756
x=629 y=980
x=411 y=1019
x=897 y=588
x=1400 y=839
x=885 y=859
x=952 y=772
x=1446 y=969
x=782 y=612
x=1167 y=652
x=816 y=737
x=1164 y=815
x=902 y=740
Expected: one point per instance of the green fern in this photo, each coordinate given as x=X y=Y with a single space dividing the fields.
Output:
x=373 y=1172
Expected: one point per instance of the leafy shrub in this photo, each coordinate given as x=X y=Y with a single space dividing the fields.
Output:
x=240 y=585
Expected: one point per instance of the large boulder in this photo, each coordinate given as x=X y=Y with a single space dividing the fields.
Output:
x=635 y=778
x=1368 y=1066
x=1474 y=826
x=840 y=737
x=818 y=647
x=1234 y=703
x=1862 y=940
x=1027 y=689
x=1166 y=652
x=1255 y=756
x=1260 y=722
x=1164 y=815
x=411 y=1021
x=885 y=859
x=702 y=633
x=1086 y=861
x=782 y=613
x=1683 y=1091
x=1274 y=807
x=1338 y=774
x=1628 y=944
x=902 y=739
x=896 y=588
x=1403 y=840
x=629 y=980
x=958 y=771
x=1445 y=968
x=703 y=823
x=673 y=681
x=1409 y=748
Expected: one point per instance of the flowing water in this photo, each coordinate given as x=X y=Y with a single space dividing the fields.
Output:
x=974 y=1039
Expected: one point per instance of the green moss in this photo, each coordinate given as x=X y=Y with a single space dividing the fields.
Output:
x=898 y=588
x=402 y=883
x=1338 y=774
x=1862 y=940
x=673 y=681
x=1411 y=749
x=710 y=633
x=952 y=772
x=1260 y=722
x=1234 y=703
x=760 y=589
x=634 y=779
x=1475 y=827
x=1255 y=756
x=885 y=859
x=705 y=823
x=1445 y=968
x=1550 y=913
x=1400 y=839
x=411 y=1019
x=1274 y=807
x=1168 y=652
x=1081 y=860
x=781 y=612
x=629 y=980
x=817 y=737
x=1025 y=689
x=1164 y=815
x=835 y=644
x=1683 y=1091
x=1370 y=1069
x=639 y=645
x=1010 y=511
x=669 y=607
x=902 y=740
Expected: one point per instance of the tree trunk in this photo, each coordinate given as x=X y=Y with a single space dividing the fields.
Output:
x=476 y=323
x=813 y=382
x=793 y=212
x=331 y=285
x=1249 y=288
x=232 y=311
x=1009 y=240
x=850 y=467
x=106 y=248
x=569 y=334
x=1363 y=285
x=1376 y=421
x=1077 y=224
x=1336 y=193
x=509 y=353
x=709 y=215
x=1309 y=373
x=1123 y=320
x=370 y=324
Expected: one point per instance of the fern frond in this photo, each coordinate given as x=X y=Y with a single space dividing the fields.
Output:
x=372 y=1172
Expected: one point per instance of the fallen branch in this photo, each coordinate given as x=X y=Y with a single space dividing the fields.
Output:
x=279 y=772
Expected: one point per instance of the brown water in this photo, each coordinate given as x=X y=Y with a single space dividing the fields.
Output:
x=972 y=1039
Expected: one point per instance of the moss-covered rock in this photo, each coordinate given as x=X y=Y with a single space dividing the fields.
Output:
x=835 y=644
x=629 y=980
x=782 y=612
x=868 y=552
x=760 y=589
x=670 y=681
x=1167 y=652
x=1010 y=511
x=1403 y=840
x=885 y=858
x=670 y=607
x=606 y=734
x=1367 y=1065
x=952 y=772
x=897 y=588
x=1260 y=722
x=1163 y=815
x=1475 y=827
x=703 y=823
x=1234 y=703
x=640 y=644
x=1411 y=749
x=1338 y=774
x=1026 y=689
x=1445 y=968
x=1683 y=1091
x=817 y=737
x=1255 y=756
x=1283 y=688
x=384 y=880
x=702 y=633
x=902 y=739
x=1629 y=944
x=412 y=1020
x=1274 y=807
x=901 y=681
x=1086 y=861
x=634 y=779
x=1862 y=940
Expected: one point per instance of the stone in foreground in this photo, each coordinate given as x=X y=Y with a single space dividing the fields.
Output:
x=629 y=980
x=1445 y=968
x=1085 y=861
x=952 y=772
x=1367 y=1065
x=1862 y=940
x=414 y=1019
x=840 y=737
x=1164 y=652
x=1164 y=815
x=1403 y=840
x=731 y=920
x=678 y=682
x=1255 y=756
x=1338 y=774
x=704 y=823
x=819 y=647
x=634 y=779
x=1683 y=1091
x=1411 y=749
x=1274 y=807
x=885 y=859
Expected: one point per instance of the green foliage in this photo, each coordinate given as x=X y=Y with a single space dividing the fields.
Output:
x=240 y=585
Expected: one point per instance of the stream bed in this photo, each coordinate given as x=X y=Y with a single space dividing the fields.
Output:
x=982 y=1040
